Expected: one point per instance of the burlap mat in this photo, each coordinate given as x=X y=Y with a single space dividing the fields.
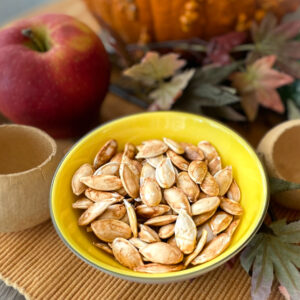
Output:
x=40 y=266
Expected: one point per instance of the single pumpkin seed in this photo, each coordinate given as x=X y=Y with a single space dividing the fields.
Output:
x=201 y=243
x=220 y=221
x=232 y=207
x=154 y=161
x=188 y=186
x=209 y=185
x=77 y=186
x=200 y=219
x=137 y=243
x=115 y=212
x=166 y=231
x=208 y=149
x=177 y=200
x=174 y=146
x=132 y=218
x=178 y=160
x=102 y=182
x=215 y=165
x=98 y=196
x=161 y=220
x=162 y=253
x=94 y=211
x=233 y=226
x=213 y=249
x=152 y=148
x=110 y=168
x=147 y=172
x=154 y=268
x=197 y=171
x=185 y=232
x=165 y=174
x=150 y=192
x=193 y=153
x=129 y=151
x=207 y=228
x=129 y=180
x=82 y=203
x=107 y=151
x=126 y=254
x=107 y=230
x=150 y=212
x=117 y=158
x=234 y=192
x=148 y=235
x=205 y=205
x=224 y=179
x=103 y=247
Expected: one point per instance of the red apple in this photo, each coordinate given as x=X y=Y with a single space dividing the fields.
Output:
x=54 y=74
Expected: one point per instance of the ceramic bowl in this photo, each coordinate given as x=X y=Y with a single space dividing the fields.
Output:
x=234 y=150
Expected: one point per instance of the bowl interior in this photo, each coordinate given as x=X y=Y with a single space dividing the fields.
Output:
x=234 y=151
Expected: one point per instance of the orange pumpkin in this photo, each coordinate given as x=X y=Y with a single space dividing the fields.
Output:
x=159 y=20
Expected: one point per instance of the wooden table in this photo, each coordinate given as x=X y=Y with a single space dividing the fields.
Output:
x=114 y=106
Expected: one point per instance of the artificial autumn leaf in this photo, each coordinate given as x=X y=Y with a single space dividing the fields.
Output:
x=218 y=49
x=168 y=92
x=278 y=40
x=284 y=292
x=278 y=185
x=154 y=68
x=273 y=251
x=257 y=85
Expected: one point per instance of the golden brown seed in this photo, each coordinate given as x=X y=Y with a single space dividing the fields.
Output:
x=188 y=186
x=205 y=205
x=129 y=180
x=220 y=221
x=94 y=211
x=234 y=192
x=165 y=174
x=232 y=207
x=200 y=245
x=154 y=161
x=178 y=160
x=213 y=249
x=215 y=165
x=197 y=171
x=224 y=179
x=154 y=268
x=185 y=232
x=137 y=243
x=77 y=186
x=115 y=212
x=150 y=212
x=174 y=146
x=177 y=200
x=110 y=168
x=150 y=192
x=107 y=151
x=148 y=235
x=117 y=158
x=166 y=231
x=102 y=182
x=126 y=254
x=129 y=150
x=152 y=148
x=147 y=172
x=82 y=203
x=122 y=191
x=98 y=196
x=200 y=219
x=161 y=220
x=233 y=226
x=208 y=149
x=131 y=217
x=193 y=153
x=103 y=247
x=107 y=230
x=209 y=185
x=162 y=253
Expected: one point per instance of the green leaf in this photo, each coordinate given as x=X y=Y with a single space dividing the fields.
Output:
x=224 y=112
x=271 y=252
x=293 y=110
x=279 y=185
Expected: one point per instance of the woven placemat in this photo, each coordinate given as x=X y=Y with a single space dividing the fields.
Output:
x=40 y=266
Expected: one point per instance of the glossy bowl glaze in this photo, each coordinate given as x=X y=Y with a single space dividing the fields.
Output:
x=234 y=150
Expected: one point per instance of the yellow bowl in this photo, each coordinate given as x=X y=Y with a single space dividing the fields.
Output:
x=234 y=150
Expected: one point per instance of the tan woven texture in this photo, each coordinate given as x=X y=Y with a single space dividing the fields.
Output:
x=40 y=266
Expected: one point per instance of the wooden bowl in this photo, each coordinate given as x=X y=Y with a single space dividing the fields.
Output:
x=28 y=159
x=281 y=148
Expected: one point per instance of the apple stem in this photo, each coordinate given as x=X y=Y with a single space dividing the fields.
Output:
x=34 y=39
